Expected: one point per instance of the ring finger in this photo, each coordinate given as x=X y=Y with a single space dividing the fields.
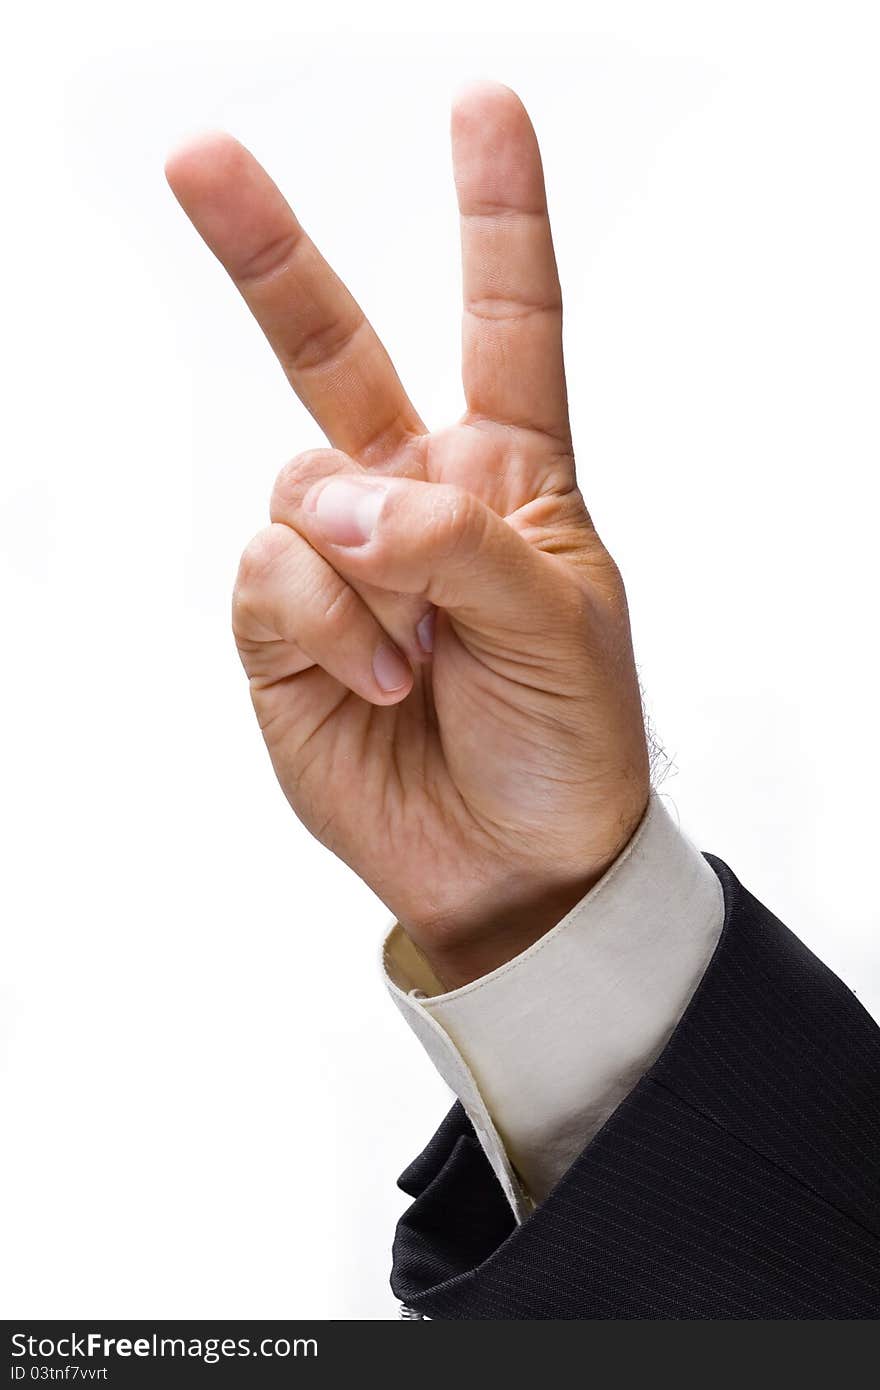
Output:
x=291 y=611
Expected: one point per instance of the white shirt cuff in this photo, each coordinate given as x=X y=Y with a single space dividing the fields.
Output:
x=542 y=1050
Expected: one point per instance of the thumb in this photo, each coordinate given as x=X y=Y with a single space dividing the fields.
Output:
x=441 y=543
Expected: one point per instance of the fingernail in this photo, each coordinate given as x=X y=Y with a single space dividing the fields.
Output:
x=390 y=669
x=425 y=630
x=347 y=510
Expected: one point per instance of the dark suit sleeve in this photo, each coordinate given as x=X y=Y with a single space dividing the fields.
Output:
x=739 y=1179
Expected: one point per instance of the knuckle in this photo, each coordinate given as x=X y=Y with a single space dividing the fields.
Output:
x=599 y=614
x=259 y=556
x=258 y=559
x=288 y=487
x=338 y=608
x=608 y=578
x=297 y=476
x=454 y=524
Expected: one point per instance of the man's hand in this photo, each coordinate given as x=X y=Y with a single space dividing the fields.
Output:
x=437 y=641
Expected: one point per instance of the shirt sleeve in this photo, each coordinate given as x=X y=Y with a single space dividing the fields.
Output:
x=541 y=1051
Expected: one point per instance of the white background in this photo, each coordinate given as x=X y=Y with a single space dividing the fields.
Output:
x=207 y=1096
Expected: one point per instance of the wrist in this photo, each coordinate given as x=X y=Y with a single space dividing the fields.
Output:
x=475 y=945
x=508 y=916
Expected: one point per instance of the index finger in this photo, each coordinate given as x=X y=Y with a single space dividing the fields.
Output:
x=330 y=354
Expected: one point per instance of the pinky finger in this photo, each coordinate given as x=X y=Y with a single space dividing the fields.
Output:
x=286 y=593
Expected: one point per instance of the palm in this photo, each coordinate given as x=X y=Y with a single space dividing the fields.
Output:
x=479 y=765
x=437 y=776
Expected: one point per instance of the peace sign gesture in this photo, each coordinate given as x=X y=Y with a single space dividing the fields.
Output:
x=437 y=641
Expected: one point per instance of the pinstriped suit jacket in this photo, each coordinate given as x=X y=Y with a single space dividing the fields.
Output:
x=739 y=1179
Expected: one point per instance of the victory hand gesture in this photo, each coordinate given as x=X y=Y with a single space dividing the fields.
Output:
x=436 y=639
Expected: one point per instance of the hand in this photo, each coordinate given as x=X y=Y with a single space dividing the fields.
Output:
x=437 y=641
